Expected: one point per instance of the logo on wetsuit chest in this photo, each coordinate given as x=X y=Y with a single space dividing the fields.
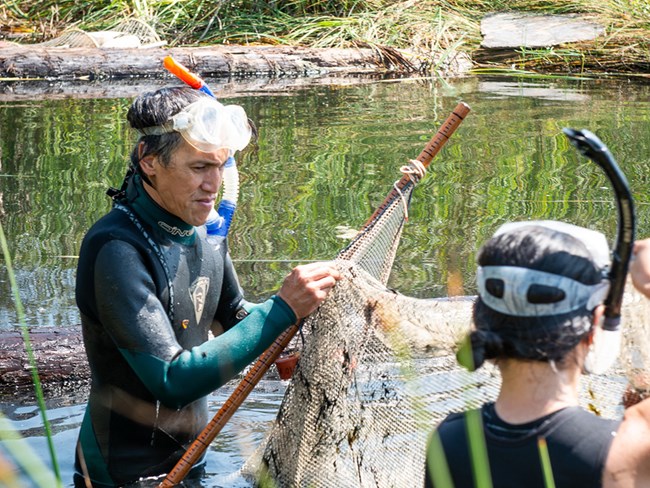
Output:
x=175 y=231
x=198 y=294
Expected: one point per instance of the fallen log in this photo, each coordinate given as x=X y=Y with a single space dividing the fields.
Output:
x=60 y=361
x=31 y=72
x=37 y=62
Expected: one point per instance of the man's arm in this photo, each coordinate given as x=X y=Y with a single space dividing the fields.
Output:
x=628 y=462
x=307 y=286
x=136 y=320
x=640 y=266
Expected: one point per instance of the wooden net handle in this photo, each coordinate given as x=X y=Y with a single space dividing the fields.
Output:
x=264 y=362
x=237 y=397
x=448 y=127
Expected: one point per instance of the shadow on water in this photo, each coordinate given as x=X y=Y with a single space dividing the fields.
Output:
x=325 y=157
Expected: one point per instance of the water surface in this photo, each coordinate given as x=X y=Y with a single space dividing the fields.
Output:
x=326 y=156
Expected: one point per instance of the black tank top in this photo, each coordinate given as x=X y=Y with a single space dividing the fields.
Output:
x=578 y=443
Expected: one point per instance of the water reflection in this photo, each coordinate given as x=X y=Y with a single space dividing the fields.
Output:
x=540 y=91
x=325 y=158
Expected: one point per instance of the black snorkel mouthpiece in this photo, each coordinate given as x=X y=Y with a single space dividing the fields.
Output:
x=593 y=148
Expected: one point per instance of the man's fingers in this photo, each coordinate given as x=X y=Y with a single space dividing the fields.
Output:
x=308 y=285
x=314 y=272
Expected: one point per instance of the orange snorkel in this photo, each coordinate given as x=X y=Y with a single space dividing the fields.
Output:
x=186 y=75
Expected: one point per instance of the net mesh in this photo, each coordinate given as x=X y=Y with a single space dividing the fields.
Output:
x=377 y=372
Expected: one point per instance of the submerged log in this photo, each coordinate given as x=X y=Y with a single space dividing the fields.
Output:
x=130 y=88
x=64 y=373
x=60 y=361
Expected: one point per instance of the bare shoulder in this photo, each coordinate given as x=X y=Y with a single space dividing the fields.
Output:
x=628 y=461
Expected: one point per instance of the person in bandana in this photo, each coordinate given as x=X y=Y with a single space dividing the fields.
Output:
x=164 y=318
x=538 y=317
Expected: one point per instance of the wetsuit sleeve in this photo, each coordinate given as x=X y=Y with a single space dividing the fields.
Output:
x=137 y=322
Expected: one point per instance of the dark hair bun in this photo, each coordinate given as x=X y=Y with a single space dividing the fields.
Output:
x=478 y=346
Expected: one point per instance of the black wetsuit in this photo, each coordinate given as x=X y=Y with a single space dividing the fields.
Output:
x=149 y=289
x=578 y=443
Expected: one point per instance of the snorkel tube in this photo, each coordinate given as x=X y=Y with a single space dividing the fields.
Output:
x=186 y=75
x=219 y=224
x=593 y=148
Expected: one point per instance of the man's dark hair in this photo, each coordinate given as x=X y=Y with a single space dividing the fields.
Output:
x=154 y=109
x=545 y=338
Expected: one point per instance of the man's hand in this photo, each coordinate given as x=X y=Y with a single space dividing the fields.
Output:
x=307 y=286
x=640 y=266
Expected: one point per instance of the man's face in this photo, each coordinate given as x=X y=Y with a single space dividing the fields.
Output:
x=188 y=186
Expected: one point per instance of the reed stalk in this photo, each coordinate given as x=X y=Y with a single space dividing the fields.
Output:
x=32 y=365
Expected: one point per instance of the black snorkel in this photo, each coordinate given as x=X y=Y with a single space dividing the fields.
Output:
x=593 y=148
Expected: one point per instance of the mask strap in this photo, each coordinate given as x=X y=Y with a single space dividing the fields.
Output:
x=516 y=285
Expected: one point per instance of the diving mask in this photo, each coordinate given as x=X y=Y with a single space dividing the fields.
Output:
x=208 y=125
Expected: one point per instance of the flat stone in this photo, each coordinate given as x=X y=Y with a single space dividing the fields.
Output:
x=515 y=29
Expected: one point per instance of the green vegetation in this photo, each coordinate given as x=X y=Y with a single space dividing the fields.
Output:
x=421 y=26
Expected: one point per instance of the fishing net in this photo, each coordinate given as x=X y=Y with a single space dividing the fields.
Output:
x=376 y=375
x=129 y=33
x=377 y=372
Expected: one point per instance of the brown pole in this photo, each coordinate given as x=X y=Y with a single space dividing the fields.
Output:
x=448 y=127
x=264 y=362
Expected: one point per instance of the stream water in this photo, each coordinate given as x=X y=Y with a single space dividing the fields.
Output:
x=326 y=156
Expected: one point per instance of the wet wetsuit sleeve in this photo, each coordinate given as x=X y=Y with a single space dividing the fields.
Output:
x=137 y=322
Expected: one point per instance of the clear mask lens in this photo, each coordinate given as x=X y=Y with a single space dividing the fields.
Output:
x=208 y=125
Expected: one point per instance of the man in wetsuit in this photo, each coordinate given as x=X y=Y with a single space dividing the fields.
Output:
x=538 y=317
x=150 y=289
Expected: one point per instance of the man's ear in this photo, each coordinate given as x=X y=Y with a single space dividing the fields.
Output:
x=146 y=164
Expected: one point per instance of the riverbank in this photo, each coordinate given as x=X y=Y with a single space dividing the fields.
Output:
x=381 y=36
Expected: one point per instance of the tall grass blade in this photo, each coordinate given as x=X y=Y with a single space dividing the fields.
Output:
x=25 y=457
x=30 y=355
x=477 y=449
x=437 y=463
x=545 y=459
x=474 y=423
